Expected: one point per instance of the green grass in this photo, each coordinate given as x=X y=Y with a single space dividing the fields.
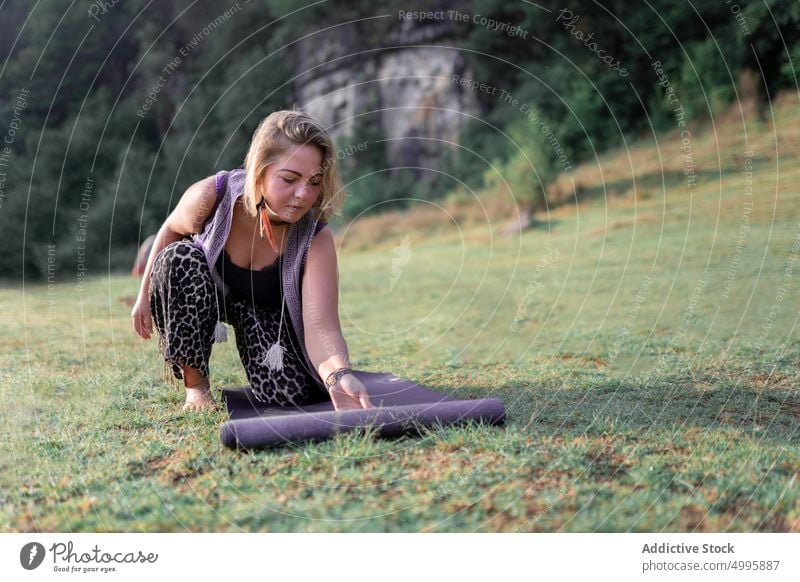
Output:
x=674 y=411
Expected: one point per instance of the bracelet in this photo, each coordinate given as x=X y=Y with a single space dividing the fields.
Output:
x=334 y=376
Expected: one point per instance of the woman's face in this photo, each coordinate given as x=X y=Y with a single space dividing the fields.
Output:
x=293 y=183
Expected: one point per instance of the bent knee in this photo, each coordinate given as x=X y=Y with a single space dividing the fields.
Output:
x=182 y=254
x=182 y=249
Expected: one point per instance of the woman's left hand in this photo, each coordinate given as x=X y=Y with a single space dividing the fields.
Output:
x=349 y=393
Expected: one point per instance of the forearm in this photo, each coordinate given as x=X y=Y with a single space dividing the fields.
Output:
x=164 y=237
x=327 y=349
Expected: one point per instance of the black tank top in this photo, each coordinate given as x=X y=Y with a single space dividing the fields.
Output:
x=263 y=287
x=258 y=287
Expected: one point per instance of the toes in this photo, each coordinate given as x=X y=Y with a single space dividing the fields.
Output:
x=191 y=407
x=199 y=404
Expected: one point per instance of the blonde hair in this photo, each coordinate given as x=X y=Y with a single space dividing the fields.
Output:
x=274 y=137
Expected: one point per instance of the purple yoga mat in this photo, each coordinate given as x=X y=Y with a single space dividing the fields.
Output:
x=401 y=407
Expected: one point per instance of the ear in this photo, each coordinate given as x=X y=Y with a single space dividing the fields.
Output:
x=260 y=190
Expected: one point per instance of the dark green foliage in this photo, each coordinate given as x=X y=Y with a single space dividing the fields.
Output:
x=87 y=115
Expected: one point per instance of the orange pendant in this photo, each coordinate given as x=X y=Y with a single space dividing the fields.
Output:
x=266 y=226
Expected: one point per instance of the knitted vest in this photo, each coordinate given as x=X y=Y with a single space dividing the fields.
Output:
x=212 y=240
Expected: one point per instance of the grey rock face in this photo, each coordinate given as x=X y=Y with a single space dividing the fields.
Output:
x=404 y=84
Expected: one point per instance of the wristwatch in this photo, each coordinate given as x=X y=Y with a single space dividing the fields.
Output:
x=334 y=376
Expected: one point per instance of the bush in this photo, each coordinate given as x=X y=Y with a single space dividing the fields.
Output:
x=532 y=165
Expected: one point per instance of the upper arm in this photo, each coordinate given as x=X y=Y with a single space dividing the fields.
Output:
x=321 y=283
x=194 y=207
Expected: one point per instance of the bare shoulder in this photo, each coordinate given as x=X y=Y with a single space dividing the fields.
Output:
x=322 y=247
x=194 y=207
x=326 y=229
x=321 y=277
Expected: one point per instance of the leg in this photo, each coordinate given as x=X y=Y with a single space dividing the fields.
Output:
x=183 y=303
x=256 y=330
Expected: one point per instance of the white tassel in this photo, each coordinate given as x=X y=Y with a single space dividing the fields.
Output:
x=274 y=357
x=220 y=333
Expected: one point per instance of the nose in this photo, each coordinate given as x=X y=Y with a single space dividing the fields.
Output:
x=303 y=192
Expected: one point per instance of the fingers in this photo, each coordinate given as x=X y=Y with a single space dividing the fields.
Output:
x=364 y=400
x=142 y=333
x=344 y=403
x=349 y=398
x=360 y=398
x=147 y=326
x=343 y=400
x=142 y=325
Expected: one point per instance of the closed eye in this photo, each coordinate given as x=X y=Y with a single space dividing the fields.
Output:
x=293 y=181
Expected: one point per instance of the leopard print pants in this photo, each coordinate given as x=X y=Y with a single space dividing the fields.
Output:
x=186 y=304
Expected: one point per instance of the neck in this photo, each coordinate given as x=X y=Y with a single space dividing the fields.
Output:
x=273 y=220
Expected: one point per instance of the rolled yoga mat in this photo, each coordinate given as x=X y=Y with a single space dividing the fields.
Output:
x=401 y=407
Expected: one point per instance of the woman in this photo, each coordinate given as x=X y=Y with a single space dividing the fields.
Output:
x=262 y=259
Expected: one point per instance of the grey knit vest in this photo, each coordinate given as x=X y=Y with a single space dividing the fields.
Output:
x=212 y=240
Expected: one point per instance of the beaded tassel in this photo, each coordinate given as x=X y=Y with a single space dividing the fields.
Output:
x=273 y=359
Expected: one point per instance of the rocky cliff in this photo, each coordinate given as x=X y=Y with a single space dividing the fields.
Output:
x=402 y=83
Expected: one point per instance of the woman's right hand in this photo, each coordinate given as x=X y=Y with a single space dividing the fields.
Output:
x=142 y=319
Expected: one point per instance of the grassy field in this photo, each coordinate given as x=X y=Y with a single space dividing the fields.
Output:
x=643 y=339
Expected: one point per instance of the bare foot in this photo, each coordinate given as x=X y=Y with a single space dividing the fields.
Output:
x=198 y=398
